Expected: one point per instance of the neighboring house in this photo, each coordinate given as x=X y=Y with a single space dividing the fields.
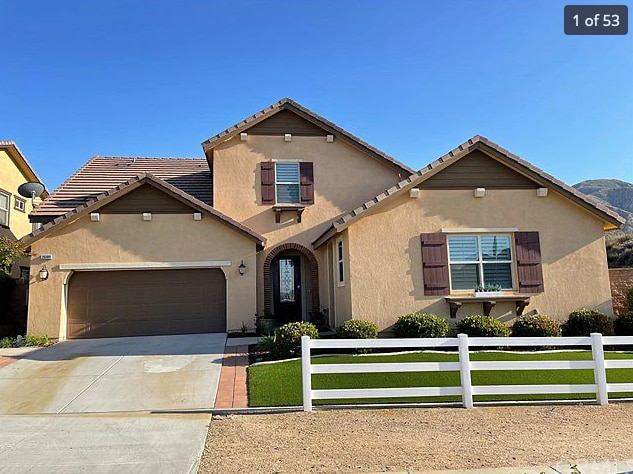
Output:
x=15 y=209
x=287 y=215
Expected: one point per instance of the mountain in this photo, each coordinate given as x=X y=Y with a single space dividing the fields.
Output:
x=613 y=193
x=618 y=196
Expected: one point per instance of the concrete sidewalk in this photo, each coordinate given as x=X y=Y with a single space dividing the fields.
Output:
x=122 y=443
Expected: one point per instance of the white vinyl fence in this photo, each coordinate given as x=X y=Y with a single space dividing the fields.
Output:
x=466 y=390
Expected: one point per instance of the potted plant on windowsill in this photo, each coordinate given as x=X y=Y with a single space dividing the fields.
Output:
x=487 y=291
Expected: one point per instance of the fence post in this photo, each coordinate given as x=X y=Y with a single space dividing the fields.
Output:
x=599 y=370
x=464 y=370
x=306 y=373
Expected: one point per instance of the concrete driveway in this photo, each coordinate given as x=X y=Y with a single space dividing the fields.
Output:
x=137 y=404
x=161 y=373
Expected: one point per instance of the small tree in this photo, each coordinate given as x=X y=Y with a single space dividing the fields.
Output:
x=10 y=251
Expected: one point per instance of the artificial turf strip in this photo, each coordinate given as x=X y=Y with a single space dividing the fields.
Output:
x=279 y=384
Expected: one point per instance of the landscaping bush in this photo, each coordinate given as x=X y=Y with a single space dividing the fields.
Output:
x=583 y=322
x=30 y=340
x=421 y=325
x=265 y=344
x=628 y=300
x=288 y=338
x=482 y=326
x=535 y=325
x=357 y=329
x=623 y=325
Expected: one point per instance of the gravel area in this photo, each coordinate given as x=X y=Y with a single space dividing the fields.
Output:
x=417 y=438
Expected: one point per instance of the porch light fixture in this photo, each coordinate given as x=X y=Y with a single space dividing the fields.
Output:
x=147 y=216
x=541 y=192
x=480 y=192
x=414 y=193
x=329 y=138
x=242 y=268
x=44 y=273
x=288 y=137
x=243 y=137
x=197 y=216
x=94 y=216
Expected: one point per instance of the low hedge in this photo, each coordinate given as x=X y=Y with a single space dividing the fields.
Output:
x=535 y=325
x=583 y=322
x=287 y=340
x=357 y=329
x=623 y=325
x=421 y=325
x=482 y=326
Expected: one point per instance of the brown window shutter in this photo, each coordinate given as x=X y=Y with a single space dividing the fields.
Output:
x=307 y=182
x=267 y=177
x=435 y=264
x=529 y=268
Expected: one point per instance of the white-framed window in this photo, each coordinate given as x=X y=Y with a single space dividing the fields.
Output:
x=287 y=182
x=36 y=226
x=340 y=267
x=480 y=260
x=4 y=208
x=20 y=204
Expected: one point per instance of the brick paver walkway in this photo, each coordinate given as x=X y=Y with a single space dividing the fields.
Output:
x=6 y=360
x=232 y=392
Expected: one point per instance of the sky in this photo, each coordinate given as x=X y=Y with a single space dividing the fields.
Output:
x=414 y=78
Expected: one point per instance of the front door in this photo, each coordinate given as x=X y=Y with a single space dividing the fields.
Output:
x=287 y=289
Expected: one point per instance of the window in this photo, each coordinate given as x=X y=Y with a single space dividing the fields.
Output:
x=339 y=263
x=480 y=260
x=20 y=204
x=287 y=183
x=36 y=226
x=24 y=274
x=286 y=280
x=4 y=209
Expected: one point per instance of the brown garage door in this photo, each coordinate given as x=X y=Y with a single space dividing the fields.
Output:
x=146 y=303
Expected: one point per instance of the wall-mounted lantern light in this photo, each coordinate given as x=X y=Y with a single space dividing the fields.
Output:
x=44 y=273
x=242 y=268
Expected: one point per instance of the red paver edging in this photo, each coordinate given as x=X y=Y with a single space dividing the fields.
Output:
x=232 y=390
x=6 y=360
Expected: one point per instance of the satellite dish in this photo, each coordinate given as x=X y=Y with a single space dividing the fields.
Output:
x=31 y=189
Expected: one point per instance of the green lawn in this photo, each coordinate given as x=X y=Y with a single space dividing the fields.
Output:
x=279 y=384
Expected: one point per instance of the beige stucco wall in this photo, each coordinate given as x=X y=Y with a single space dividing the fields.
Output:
x=344 y=177
x=128 y=239
x=386 y=263
x=10 y=178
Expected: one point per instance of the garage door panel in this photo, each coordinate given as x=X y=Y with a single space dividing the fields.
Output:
x=146 y=302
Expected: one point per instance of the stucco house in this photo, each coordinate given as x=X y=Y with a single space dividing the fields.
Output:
x=14 y=208
x=289 y=215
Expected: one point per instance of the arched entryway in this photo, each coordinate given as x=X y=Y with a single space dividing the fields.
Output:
x=291 y=283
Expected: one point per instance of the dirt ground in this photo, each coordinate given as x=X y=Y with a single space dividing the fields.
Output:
x=417 y=438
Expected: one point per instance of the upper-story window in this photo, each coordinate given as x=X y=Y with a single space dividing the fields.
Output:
x=4 y=208
x=288 y=183
x=20 y=204
x=480 y=260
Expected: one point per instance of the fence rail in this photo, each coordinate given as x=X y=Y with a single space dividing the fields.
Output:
x=466 y=390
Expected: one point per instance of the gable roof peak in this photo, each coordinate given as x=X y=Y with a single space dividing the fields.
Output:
x=287 y=103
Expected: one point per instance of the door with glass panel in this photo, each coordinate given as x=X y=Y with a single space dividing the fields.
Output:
x=286 y=276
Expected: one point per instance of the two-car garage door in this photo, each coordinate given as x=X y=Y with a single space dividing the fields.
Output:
x=146 y=302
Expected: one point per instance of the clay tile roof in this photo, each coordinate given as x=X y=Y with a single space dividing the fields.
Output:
x=129 y=185
x=478 y=141
x=103 y=173
x=289 y=104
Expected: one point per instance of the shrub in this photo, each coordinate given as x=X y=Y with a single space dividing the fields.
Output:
x=482 y=326
x=265 y=344
x=288 y=338
x=33 y=340
x=535 y=325
x=623 y=325
x=357 y=329
x=6 y=342
x=583 y=322
x=421 y=325
x=628 y=300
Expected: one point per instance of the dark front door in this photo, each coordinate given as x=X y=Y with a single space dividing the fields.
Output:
x=287 y=289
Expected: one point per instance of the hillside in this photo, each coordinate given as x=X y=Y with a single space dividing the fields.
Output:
x=618 y=196
x=613 y=193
